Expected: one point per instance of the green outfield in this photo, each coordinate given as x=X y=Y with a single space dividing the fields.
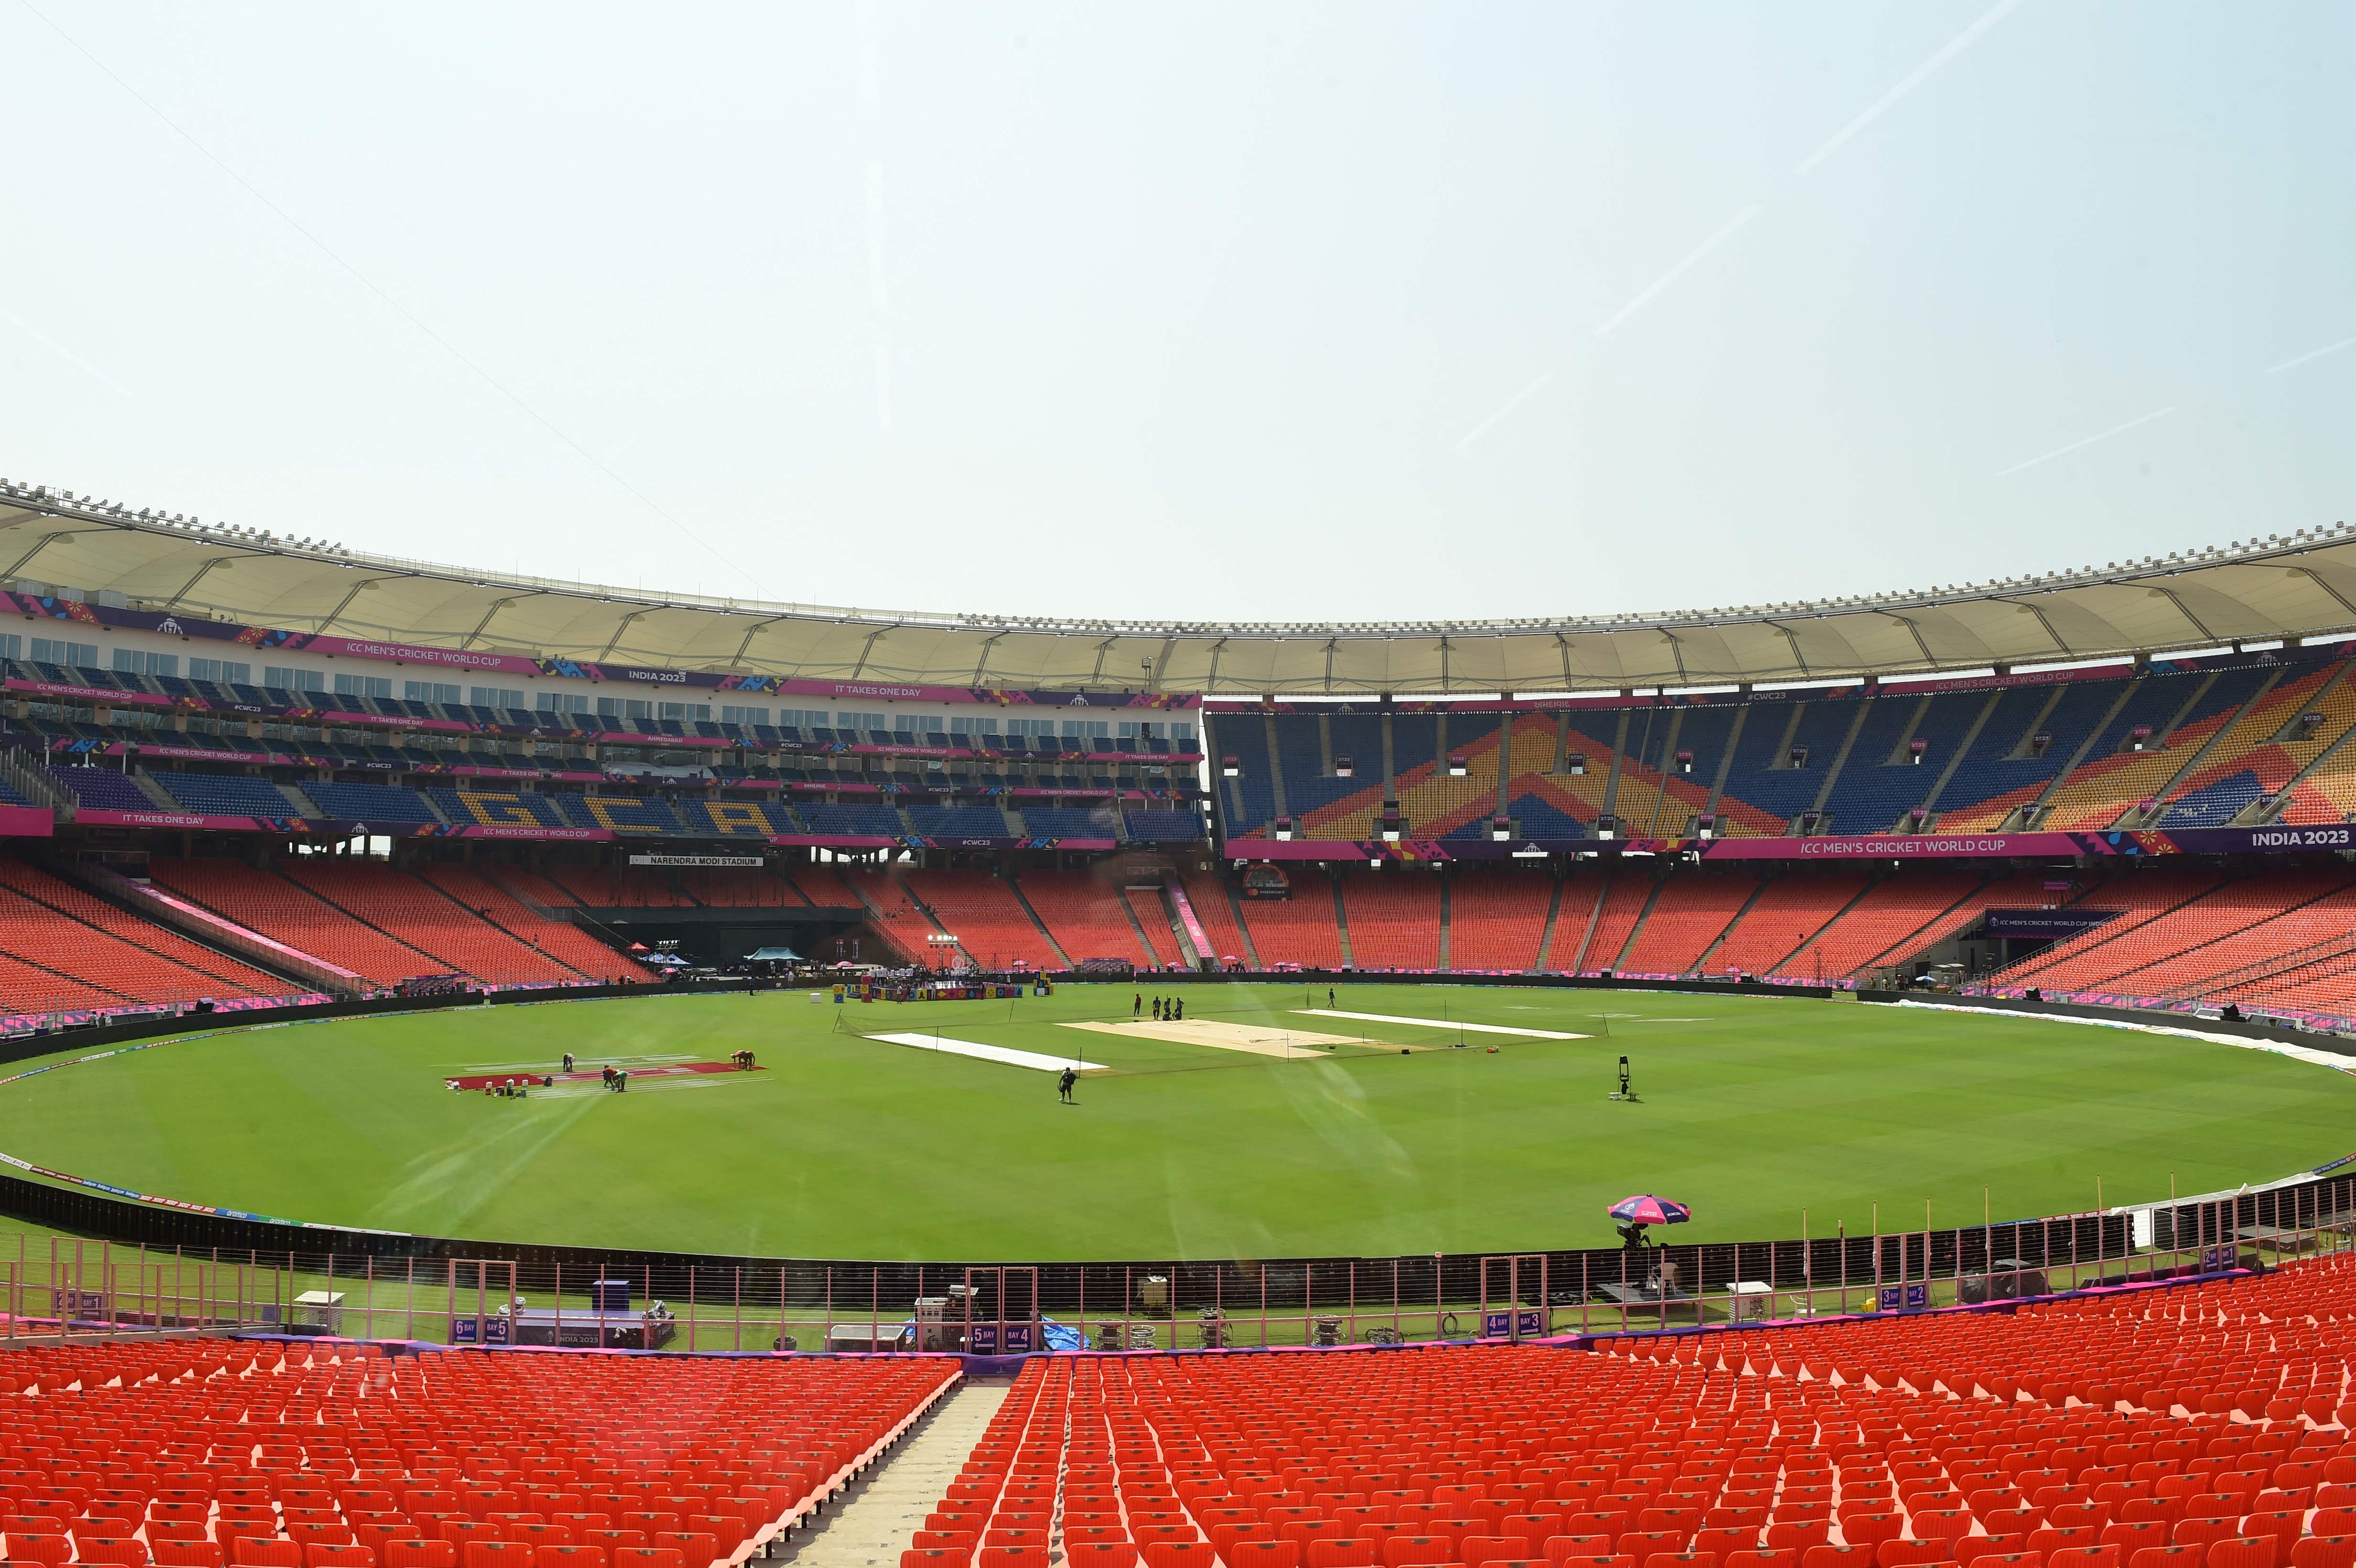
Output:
x=1242 y=1140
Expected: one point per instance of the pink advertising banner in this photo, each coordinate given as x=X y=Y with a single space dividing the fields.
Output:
x=1897 y=847
x=515 y=830
x=412 y=653
x=92 y=817
x=28 y=821
x=89 y=693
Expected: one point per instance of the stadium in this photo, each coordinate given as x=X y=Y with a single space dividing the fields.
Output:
x=518 y=1051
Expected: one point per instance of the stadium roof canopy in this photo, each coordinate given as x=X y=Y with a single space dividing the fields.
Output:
x=2302 y=585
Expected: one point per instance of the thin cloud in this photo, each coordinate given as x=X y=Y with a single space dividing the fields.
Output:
x=2312 y=354
x=1508 y=406
x=1728 y=232
x=64 y=353
x=1906 y=84
x=2089 y=440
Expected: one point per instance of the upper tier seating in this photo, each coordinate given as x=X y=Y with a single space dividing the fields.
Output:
x=1177 y=826
x=737 y=818
x=628 y=814
x=497 y=808
x=977 y=819
x=1071 y=822
x=369 y=802
x=1763 y=775
x=863 y=821
x=1657 y=764
x=1882 y=780
x=2097 y=792
x=224 y=795
x=2257 y=753
x=104 y=789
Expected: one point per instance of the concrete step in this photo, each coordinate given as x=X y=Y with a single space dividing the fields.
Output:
x=877 y=1517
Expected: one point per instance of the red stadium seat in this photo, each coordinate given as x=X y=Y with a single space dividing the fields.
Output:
x=416 y=1553
x=172 y=1553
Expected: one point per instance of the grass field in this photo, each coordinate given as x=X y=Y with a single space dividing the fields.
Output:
x=1753 y=1109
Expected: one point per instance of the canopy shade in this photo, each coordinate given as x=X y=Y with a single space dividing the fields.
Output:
x=2300 y=586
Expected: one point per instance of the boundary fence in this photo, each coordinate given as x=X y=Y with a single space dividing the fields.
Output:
x=229 y=1274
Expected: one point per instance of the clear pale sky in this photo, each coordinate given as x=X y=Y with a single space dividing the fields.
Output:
x=1216 y=310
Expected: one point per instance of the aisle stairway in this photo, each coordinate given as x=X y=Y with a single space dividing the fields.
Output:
x=879 y=1516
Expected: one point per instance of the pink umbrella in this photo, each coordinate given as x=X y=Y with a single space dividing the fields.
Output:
x=1646 y=1210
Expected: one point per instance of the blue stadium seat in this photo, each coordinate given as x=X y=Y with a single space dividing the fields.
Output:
x=103 y=789
x=1161 y=826
x=224 y=795
x=370 y=803
x=964 y=820
x=1071 y=822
